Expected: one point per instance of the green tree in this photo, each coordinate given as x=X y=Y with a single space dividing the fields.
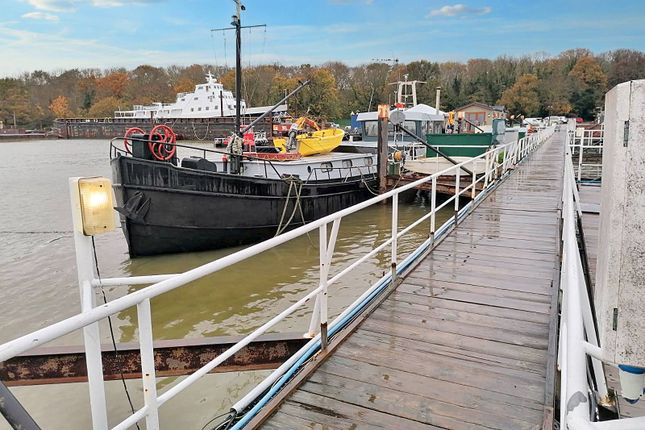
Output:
x=523 y=97
x=319 y=99
x=14 y=103
x=589 y=83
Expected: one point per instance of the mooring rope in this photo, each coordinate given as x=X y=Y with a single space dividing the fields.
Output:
x=195 y=131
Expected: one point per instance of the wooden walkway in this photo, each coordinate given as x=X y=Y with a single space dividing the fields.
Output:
x=467 y=340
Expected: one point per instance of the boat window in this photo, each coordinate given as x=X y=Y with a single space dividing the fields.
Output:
x=347 y=163
x=369 y=161
x=206 y=107
x=192 y=109
x=326 y=167
x=183 y=99
x=371 y=128
x=199 y=108
x=196 y=98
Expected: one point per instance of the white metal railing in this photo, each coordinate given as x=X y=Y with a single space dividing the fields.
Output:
x=577 y=336
x=591 y=142
x=498 y=162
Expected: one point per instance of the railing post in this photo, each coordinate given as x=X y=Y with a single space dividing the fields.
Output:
x=433 y=206
x=91 y=333
x=148 y=373
x=472 y=195
x=457 y=186
x=326 y=252
x=486 y=170
x=395 y=229
x=580 y=151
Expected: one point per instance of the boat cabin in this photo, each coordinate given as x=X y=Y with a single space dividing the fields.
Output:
x=420 y=119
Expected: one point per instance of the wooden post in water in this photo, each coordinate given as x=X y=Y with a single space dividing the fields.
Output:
x=383 y=115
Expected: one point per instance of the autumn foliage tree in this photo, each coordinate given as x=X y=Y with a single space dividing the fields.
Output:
x=572 y=83
x=60 y=107
x=523 y=97
x=105 y=107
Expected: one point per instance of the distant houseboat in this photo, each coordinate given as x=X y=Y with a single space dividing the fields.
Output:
x=209 y=100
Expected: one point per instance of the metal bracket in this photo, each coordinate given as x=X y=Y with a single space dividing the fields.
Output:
x=626 y=134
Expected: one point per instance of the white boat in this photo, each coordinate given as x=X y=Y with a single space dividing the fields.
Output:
x=209 y=100
x=420 y=120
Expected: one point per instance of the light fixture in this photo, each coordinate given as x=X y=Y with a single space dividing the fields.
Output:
x=97 y=204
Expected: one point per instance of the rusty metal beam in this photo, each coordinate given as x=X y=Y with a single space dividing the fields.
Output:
x=54 y=365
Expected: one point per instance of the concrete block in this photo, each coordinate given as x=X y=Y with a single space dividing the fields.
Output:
x=620 y=273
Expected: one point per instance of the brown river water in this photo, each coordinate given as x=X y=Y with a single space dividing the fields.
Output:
x=38 y=283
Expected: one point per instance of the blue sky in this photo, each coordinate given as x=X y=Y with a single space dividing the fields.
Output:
x=59 y=34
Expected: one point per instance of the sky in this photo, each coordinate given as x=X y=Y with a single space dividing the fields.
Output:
x=54 y=35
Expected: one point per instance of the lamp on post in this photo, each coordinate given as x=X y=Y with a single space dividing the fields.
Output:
x=92 y=213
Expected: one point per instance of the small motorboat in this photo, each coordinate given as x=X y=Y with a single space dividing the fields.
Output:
x=307 y=143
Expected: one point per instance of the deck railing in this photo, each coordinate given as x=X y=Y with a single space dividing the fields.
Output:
x=498 y=163
x=586 y=150
x=580 y=383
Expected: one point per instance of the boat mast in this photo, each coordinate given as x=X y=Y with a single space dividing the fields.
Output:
x=237 y=23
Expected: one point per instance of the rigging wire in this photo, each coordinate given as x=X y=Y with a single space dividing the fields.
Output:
x=225 y=54
x=109 y=318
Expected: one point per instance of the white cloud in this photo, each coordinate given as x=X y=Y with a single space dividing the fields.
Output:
x=459 y=10
x=107 y=3
x=41 y=16
x=53 y=5
x=70 y=5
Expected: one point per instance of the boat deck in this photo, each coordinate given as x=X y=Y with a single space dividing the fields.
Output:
x=467 y=340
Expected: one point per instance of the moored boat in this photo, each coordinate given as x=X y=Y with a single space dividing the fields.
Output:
x=196 y=203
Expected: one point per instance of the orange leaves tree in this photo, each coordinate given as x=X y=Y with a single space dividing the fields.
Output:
x=60 y=107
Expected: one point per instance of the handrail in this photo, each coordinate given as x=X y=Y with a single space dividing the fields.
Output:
x=588 y=140
x=498 y=162
x=578 y=341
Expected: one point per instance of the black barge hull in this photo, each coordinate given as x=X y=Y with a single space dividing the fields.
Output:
x=165 y=209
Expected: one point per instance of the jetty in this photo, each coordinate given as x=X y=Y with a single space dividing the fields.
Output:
x=467 y=339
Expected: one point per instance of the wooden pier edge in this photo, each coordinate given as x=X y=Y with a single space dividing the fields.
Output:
x=554 y=326
x=309 y=368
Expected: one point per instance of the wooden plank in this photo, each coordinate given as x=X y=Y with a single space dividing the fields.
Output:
x=465 y=343
x=338 y=414
x=482 y=299
x=456 y=263
x=482 y=257
x=451 y=244
x=417 y=402
x=493 y=379
x=433 y=345
x=475 y=308
x=519 y=326
x=458 y=266
x=429 y=322
x=429 y=277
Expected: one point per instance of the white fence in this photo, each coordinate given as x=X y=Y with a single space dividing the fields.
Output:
x=577 y=335
x=586 y=150
x=498 y=162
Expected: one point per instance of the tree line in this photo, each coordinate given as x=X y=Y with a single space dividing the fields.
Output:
x=572 y=83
